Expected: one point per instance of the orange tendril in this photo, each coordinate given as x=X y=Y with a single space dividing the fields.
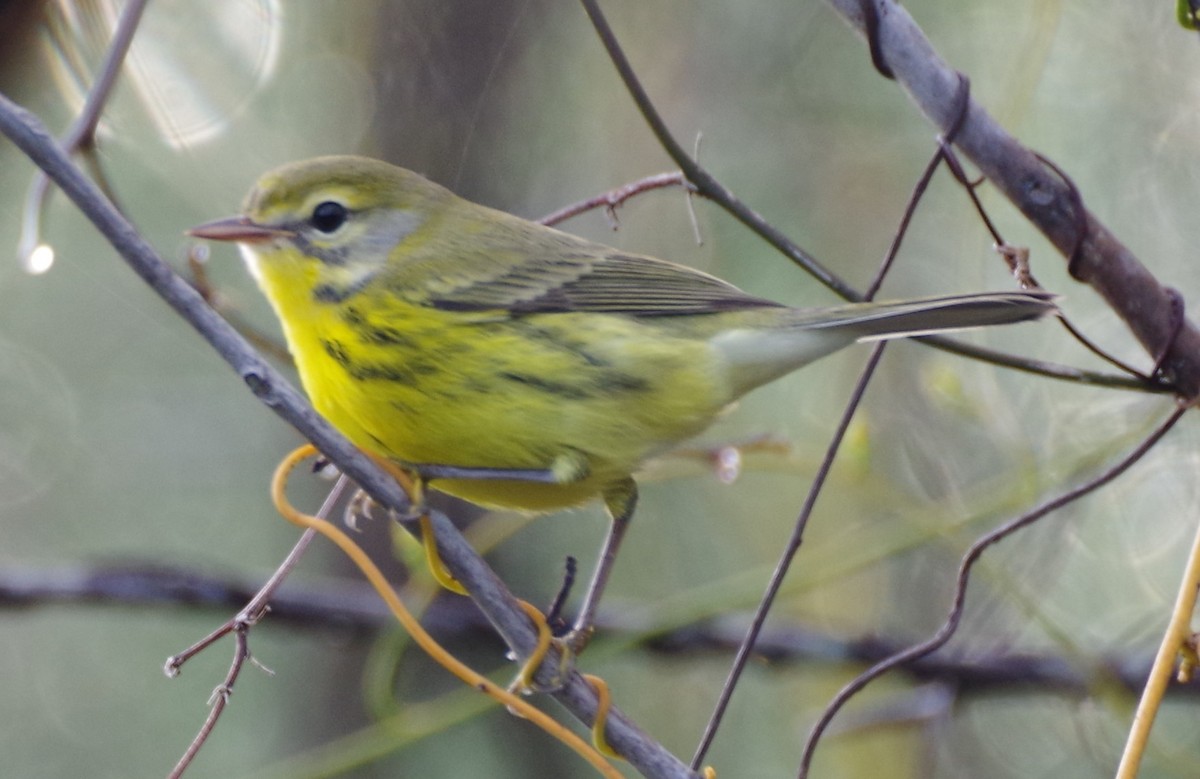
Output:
x=437 y=568
x=415 y=488
x=377 y=580
x=524 y=680
x=603 y=704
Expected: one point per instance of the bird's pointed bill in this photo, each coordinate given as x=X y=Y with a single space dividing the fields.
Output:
x=239 y=229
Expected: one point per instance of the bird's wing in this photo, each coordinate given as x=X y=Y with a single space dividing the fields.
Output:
x=561 y=273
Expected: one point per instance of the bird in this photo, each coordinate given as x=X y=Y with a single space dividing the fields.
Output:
x=514 y=365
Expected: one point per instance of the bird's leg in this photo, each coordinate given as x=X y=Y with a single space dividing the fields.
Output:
x=565 y=469
x=620 y=500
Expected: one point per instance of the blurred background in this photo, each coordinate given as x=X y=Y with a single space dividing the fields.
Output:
x=125 y=442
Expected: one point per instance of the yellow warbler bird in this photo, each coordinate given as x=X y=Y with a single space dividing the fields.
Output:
x=516 y=365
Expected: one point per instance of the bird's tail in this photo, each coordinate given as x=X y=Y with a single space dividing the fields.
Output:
x=796 y=337
x=924 y=316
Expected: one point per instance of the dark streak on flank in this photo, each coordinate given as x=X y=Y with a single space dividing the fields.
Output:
x=337 y=351
x=605 y=378
x=389 y=336
x=423 y=367
x=555 y=340
x=547 y=386
x=474 y=386
x=395 y=374
x=383 y=447
x=403 y=408
x=327 y=293
x=376 y=334
x=621 y=382
x=363 y=371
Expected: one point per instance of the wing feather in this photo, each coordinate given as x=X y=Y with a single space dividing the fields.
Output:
x=607 y=282
x=562 y=273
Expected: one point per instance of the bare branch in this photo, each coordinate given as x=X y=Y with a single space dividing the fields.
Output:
x=256 y=607
x=612 y=199
x=789 y=552
x=218 y=702
x=350 y=605
x=1045 y=198
x=81 y=135
x=810 y=501
x=709 y=187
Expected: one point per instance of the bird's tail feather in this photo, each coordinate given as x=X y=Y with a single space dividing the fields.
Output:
x=924 y=316
x=755 y=356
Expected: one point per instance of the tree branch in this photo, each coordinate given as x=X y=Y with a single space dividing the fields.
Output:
x=350 y=605
x=488 y=592
x=708 y=186
x=1049 y=201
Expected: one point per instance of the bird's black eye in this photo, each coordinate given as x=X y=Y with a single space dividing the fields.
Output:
x=329 y=216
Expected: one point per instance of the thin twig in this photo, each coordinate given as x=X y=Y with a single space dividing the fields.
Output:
x=785 y=559
x=217 y=703
x=82 y=132
x=240 y=626
x=950 y=625
x=614 y=198
x=256 y=607
x=706 y=185
x=801 y=524
x=81 y=135
x=709 y=187
x=1017 y=260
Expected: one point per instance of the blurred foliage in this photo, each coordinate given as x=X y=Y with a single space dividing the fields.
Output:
x=123 y=436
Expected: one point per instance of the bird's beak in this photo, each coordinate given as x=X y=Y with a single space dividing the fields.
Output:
x=240 y=229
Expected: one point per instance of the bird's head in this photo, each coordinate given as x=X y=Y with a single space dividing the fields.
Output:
x=326 y=226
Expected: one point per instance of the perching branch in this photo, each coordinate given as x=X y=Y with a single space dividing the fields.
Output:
x=489 y=593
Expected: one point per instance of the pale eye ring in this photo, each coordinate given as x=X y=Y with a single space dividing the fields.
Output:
x=328 y=216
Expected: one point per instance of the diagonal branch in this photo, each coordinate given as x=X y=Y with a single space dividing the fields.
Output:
x=708 y=186
x=1044 y=196
x=489 y=593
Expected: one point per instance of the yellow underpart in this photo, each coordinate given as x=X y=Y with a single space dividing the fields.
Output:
x=419 y=385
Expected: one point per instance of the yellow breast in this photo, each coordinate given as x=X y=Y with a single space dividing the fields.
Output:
x=486 y=390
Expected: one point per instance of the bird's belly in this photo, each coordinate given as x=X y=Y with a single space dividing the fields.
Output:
x=523 y=395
